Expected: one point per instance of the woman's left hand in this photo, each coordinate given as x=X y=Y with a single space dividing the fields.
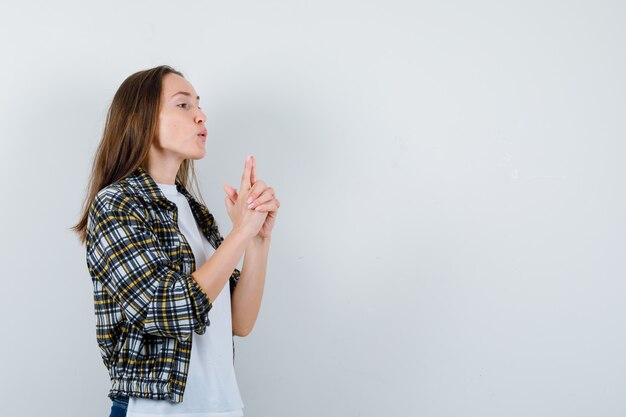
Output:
x=261 y=198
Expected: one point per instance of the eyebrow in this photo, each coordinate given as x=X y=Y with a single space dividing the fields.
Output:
x=186 y=94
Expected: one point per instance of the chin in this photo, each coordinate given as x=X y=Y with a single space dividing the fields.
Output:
x=197 y=156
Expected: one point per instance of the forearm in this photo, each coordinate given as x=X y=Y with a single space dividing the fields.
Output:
x=246 y=299
x=213 y=275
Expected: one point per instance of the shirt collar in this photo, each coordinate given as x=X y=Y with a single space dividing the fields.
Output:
x=147 y=188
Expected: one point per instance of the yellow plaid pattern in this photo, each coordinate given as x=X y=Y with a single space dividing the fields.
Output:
x=146 y=302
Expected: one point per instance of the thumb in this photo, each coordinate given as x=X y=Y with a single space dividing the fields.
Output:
x=232 y=193
x=229 y=203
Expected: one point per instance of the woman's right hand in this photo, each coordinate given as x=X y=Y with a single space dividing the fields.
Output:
x=246 y=220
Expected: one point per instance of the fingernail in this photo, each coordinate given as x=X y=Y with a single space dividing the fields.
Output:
x=249 y=201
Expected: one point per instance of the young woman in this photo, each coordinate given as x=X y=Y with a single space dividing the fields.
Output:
x=167 y=296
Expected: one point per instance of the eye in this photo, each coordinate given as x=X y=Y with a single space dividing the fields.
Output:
x=182 y=104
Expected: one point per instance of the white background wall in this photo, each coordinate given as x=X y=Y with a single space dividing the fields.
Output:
x=451 y=175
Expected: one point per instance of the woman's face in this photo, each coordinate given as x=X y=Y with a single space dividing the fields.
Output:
x=181 y=132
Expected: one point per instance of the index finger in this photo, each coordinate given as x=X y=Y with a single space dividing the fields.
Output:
x=253 y=172
x=245 y=179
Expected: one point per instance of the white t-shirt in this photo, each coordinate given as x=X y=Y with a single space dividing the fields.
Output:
x=211 y=389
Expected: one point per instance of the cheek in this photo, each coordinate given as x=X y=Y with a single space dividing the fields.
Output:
x=168 y=128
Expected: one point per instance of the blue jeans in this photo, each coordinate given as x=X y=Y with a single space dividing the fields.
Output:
x=119 y=406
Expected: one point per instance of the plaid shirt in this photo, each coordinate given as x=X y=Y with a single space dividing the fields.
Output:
x=146 y=302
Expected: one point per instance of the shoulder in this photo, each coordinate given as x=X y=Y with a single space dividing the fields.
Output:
x=119 y=197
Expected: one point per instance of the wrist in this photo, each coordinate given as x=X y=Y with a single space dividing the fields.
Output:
x=242 y=234
x=259 y=242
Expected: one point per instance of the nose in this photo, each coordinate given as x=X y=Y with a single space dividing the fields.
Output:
x=200 y=116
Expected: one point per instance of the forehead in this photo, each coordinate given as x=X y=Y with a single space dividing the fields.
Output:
x=173 y=83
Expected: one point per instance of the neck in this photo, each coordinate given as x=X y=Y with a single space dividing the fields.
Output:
x=162 y=170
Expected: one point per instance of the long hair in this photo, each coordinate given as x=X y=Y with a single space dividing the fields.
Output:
x=131 y=125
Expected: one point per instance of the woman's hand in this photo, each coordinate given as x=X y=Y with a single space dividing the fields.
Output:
x=248 y=221
x=260 y=198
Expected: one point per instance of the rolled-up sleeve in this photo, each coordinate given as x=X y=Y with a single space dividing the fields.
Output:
x=125 y=256
x=234 y=279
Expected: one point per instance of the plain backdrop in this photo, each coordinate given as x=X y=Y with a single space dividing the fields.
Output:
x=451 y=235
